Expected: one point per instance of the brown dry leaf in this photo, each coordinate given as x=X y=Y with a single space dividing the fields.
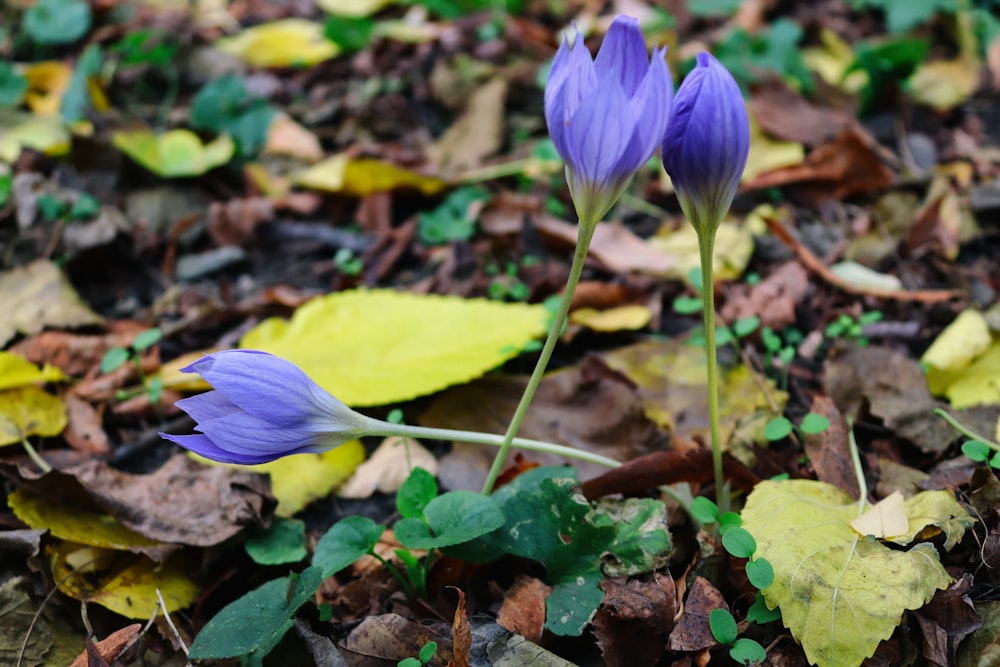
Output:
x=942 y=223
x=633 y=618
x=946 y=620
x=828 y=450
x=287 y=137
x=38 y=296
x=476 y=134
x=613 y=245
x=461 y=632
x=389 y=638
x=84 y=429
x=692 y=632
x=77 y=354
x=847 y=166
x=523 y=608
x=182 y=503
x=773 y=300
x=111 y=646
x=388 y=467
x=587 y=408
x=784 y=114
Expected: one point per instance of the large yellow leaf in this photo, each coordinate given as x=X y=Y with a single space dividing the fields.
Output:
x=840 y=593
x=963 y=362
x=16 y=371
x=27 y=411
x=298 y=480
x=291 y=42
x=372 y=347
x=124 y=583
x=176 y=153
x=361 y=177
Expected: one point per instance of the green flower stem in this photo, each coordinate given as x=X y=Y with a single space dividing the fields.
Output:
x=586 y=233
x=489 y=439
x=965 y=430
x=706 y=249
x=35 y=456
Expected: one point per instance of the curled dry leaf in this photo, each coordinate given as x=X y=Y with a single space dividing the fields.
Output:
x=388 y=467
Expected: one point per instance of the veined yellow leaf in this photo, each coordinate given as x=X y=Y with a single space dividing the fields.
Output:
x=291 y=42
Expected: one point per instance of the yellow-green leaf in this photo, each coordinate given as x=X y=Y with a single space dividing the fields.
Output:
x=950 y=357
x=767 y=153
x=291 y=42
x=372 y=347
x=16 y=371
x=27 y=411
x=977 y=383
x=124 y=583
x=733 y=248
x=76 y=523
x=840 y=594
x=621 y=318
x=18 y=130
x=933 y=512
x=298 y=480
x=353 y=8
x=177 y=153
x=363 y=176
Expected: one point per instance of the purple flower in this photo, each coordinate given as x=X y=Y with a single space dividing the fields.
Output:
x=607 y=116
x=262 y=408
x=706 y=145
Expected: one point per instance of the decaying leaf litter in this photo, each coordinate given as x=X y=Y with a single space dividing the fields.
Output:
x=367 y=189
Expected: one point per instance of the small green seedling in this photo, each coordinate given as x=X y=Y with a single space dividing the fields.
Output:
x=347 y=262
x=423 y=658
x=454 y=219
x=116 y=357
x=781 y=427
x=849 y=329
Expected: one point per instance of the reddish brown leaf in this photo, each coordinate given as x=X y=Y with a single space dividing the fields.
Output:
x=828 y=451
x=523 y=609
x=461 y=633
x=634 y=619
x=108 y=649
x=693 y=632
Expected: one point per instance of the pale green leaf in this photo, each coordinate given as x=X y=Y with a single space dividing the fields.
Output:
x=840 y=594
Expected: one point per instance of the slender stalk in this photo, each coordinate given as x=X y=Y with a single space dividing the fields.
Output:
x=35 y=456
x=706 y=248
x=859 y=472
x=586 y=232
x=965 y=430
x=490 y=439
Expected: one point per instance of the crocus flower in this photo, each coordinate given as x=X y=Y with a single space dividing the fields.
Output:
x=706 y=144
x=262 y=408
x=607 y=116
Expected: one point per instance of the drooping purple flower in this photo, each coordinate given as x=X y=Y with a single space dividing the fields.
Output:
x=707 y=142
x=262 y=408
x=607 y=116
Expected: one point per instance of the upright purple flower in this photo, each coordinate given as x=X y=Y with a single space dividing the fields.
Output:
x=707 y=142
x=262 y=408
x=607 y=116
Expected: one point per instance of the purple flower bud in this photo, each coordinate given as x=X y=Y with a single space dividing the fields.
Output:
x=607 y=116
x=262 y=408
x=707 y=142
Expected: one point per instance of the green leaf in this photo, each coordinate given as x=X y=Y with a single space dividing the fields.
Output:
x=814 y=423
x=904 y=15
x=85 y=207
x=704 y=510
x=723 y=626
x=57 y=21
x=760 y=573
x=350 y=33
x=347 y=540
x=777 y=428
x=452 y=518
x=147 y=339
x=728 y=521
x=114 y=358
x=747 y=651
x=977 y=450
x=225 y=105
x=687 y=305
x=642 y=543
x=454 y=218
x=739 y=542
x=746 y=326
x=76 y=100
x=255 y=623
x=427 y=651
x=712 y=8
x=284 y=542
x=419 y=489
x=759 y=613
x=13 y=85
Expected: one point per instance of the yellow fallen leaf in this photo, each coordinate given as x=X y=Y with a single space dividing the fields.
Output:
x=976 y=384
x=832 y=59
x=75 y=522
x=733 y=248
x=886 y=518
x=840 y=594
x=291 y=42
x=622 y=318
x=122 y=582
x=46 y=134
x=364 y=176
x=38 y=296
x=767 y=153
x=177 y=153
x=963 y=340
x=172 y=377
x=388 y=467
x=353 y=8
x=944 y=84
x=27 y=411
x=16 y=371
x=47 y=83
x=372 y=347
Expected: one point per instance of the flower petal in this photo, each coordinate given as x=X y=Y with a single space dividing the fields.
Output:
x=599 y=133
x=651 y=105
x=203 y=446
x=623 y=54
x=210 y=405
